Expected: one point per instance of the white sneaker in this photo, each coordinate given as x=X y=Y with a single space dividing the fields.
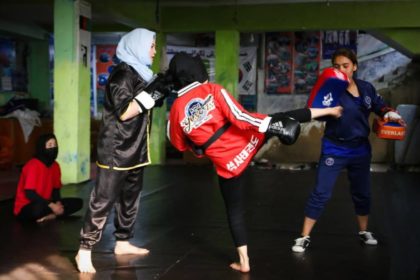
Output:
x=301 y=244
x=367 y=238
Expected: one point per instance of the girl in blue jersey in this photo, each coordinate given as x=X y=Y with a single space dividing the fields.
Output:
x=346 y=145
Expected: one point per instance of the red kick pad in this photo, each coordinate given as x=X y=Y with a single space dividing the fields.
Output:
x=328 y=88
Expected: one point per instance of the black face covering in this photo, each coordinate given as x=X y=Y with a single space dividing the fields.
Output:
x=51 y=153
x=47 y=156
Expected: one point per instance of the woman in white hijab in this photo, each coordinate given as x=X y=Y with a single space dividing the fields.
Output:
x=122 y=148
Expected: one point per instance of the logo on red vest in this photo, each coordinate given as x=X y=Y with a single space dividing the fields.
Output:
x=197 y=112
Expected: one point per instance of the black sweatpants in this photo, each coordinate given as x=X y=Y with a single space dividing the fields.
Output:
x=38 y=209
x=231 y=190
x=118 y=189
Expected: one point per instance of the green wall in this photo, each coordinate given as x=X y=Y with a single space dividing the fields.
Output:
x=227 y=60
x=71 y=96
x=293 y=16
x=158 y=128
x=39 y=73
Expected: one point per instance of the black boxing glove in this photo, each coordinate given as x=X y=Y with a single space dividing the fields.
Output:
x=284 y=127
x=155 y=92
x=160 y=88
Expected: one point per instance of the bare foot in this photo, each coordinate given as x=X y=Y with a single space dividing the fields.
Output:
x=84 y=261
x=243 y=264
x=49 y=217
x=123 y=247
x=240 y=267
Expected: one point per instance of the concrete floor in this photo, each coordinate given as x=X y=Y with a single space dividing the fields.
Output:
x=182 y=221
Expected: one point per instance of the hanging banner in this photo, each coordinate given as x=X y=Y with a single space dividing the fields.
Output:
x=247 y=65
x=247 y=70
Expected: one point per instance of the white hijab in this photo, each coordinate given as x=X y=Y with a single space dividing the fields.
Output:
x=134 y=48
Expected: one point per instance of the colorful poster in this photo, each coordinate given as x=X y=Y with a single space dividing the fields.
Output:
x=278 y=62
x=306 y=59
x=106 y=59
x=335 y=39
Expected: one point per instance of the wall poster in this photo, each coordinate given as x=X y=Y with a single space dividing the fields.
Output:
x=306 y=59
x=292 y=62
x=106 y=59
x=278 y=62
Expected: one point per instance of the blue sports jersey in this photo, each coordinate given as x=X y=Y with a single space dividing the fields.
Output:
x=348 y=135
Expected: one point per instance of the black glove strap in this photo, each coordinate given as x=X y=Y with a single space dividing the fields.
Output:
x=143 y=109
